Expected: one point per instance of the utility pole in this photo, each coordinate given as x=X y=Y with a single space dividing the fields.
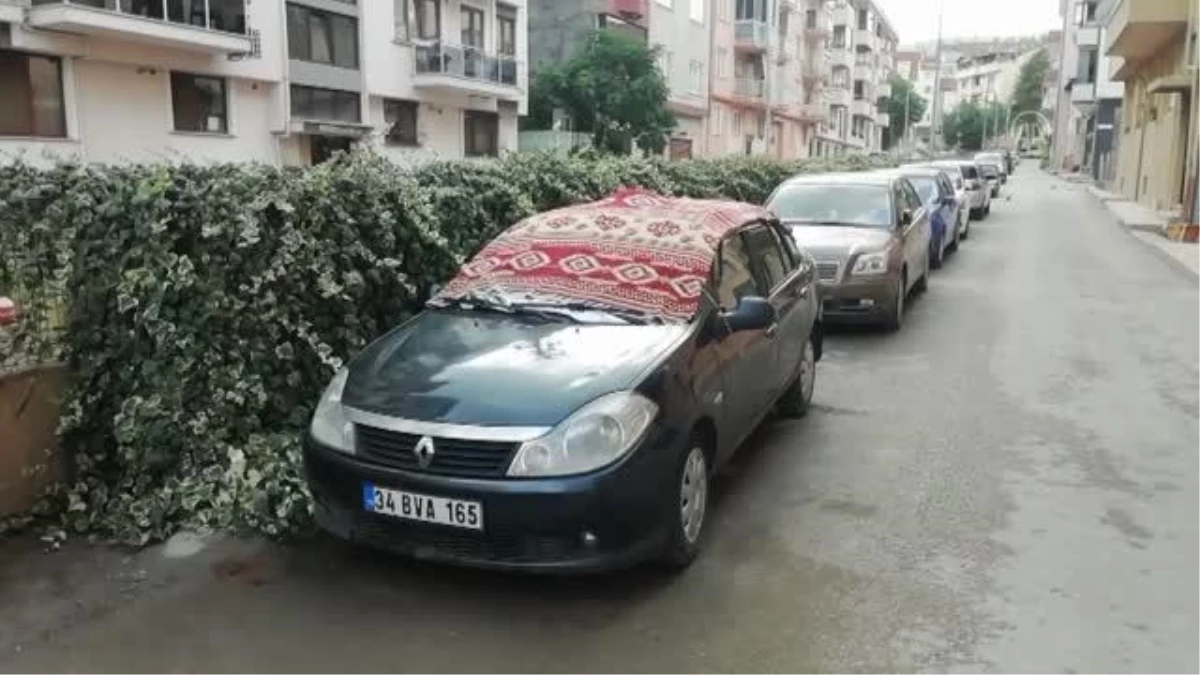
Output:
x=936 y=120
x=907 y=99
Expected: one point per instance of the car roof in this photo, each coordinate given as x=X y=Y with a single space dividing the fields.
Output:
x=919 y=170
x=841 y=178
x=634 y=250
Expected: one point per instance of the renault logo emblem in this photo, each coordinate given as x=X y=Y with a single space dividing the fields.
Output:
x=424 y=451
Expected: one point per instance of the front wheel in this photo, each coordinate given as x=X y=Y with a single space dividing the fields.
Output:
x=966 y=226
x=894 y=318
x=798 y=397
x=691 y=503
x=936 y=256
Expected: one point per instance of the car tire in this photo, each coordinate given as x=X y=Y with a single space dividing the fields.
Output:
x=987 y=210
x=953 y=246
x=690 y=506
x=798 y=397
x=974 y=214
x=922 y=284
x=936 y=256
x=966 y=226
x=894 y=319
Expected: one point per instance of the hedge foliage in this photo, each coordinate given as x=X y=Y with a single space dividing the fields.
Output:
x=200 y=310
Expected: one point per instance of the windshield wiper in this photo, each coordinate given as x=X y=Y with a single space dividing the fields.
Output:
x=631 y=316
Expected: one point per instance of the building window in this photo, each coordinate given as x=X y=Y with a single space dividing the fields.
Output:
x=199 y=103
x=862 y=19
x=839 y=37
x=326 y=104
x=860 y=90
x=429 y=19
x=1087 y=65
x=481 y=132
x=1085 y=12
x=664 y=61
x=401 y=119
x=696 y=77
x=472 y=27
x=322 y=37
x=403 y=20
x=737 y=123
x=696 y=10
x=810 y=18
x=506 y=30
x=31 y=88
x=718 y=120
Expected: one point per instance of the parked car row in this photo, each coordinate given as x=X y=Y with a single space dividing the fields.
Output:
x=563 y=402
x=876 y=235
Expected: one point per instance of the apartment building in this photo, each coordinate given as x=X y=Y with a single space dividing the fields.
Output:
x=921 y=71
x=861 y=57
x=1154 y=51
x=1095 y=97
x=681 y=31
x=1063 y=153
x=275 y=81
x=768 y=76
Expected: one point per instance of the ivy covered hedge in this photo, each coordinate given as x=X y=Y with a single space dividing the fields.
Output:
x=200 y=310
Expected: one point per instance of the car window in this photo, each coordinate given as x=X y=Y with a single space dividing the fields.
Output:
x=927 y=188
x=911 y=198
x=735 y=279
x=833 y=204
x=764 y=248
x=969 y=171
x=789 y=247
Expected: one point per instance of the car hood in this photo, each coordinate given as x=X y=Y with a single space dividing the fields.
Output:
x=496 y=370
x=825 y=241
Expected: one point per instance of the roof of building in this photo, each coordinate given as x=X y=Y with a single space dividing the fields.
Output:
x=635 y=250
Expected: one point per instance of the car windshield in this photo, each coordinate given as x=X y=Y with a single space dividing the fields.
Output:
x=969 y=171
x=860 y=205
x=926 y=187
x=990 y=169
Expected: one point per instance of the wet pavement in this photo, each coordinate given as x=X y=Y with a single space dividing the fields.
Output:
x=1009 y=483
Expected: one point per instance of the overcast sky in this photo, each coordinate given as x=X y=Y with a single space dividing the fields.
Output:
x=916 y=20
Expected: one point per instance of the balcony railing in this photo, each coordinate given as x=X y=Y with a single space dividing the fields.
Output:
x=748 y=87
x=228 y=16
x=466 y=62
x=750 y=34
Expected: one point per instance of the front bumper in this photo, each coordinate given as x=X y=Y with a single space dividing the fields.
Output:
x=534 y=525
x=858 y=299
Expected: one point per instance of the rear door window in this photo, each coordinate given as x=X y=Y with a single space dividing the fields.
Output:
x=765 y=249
x=735 y=276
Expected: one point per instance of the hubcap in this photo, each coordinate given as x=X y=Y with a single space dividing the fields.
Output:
x=693 y=494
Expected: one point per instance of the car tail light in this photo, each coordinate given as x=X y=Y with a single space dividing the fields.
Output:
x=8 y=311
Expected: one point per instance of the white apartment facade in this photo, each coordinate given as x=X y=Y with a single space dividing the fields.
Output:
x=681 y=31
x=274 y=81
x=1094 y=95
x=861 y=58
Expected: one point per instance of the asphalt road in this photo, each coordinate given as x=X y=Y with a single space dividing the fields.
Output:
x=1010 y=483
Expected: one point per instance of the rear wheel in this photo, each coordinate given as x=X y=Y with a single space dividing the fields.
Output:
x=966 y=226
x=922 y=284
x=957 y=235
x=690 y=506
x=935 y=256
x=796 y=400
x=987 y=210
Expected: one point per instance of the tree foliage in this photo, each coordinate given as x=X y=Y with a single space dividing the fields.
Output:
x=970 y=125
x=612 y=88
x=1028 y=93
x=205 y=307
x=904 y=98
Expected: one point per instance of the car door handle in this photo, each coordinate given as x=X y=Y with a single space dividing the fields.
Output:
x=804 y=292
x=772 y=329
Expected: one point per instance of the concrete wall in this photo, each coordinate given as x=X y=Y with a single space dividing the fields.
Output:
x=557 y=27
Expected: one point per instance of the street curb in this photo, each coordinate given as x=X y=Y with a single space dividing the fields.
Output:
x=1129 y=230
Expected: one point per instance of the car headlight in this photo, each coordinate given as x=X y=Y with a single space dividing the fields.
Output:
x=870 y=263
x=329 y=425
x=594 y=436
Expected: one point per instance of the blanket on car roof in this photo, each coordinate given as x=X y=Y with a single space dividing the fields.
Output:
x=634 y=250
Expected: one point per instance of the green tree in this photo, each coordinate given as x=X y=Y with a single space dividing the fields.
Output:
x=904 y=98
x=967 y=125
x=612 y=88
x=1029 y=90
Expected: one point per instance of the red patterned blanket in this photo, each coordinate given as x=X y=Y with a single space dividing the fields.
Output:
x=634 y=250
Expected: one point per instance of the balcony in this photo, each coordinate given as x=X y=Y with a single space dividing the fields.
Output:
x=465 y=70
x=864 y=39
x=818 y=26
x=862 y=71
x=883 y=89
x=1083 y=93
x=838 y=95
x=212 y=26
x=861 y=107
x=1138 y=29
x=629 y=10
x=883 y=119
x=1087 y=36
x=748 y=87
x=839 y=58
x=750 y=35
x=814 y=112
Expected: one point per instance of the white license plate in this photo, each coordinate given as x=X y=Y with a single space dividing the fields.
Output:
x=425 y=508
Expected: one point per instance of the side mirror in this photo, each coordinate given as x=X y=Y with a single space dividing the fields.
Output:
x=906 y=217
x=751 y=313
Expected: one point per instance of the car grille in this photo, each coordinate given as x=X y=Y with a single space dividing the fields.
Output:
x=423 y=540
x=451 y=457
x=827 y=270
